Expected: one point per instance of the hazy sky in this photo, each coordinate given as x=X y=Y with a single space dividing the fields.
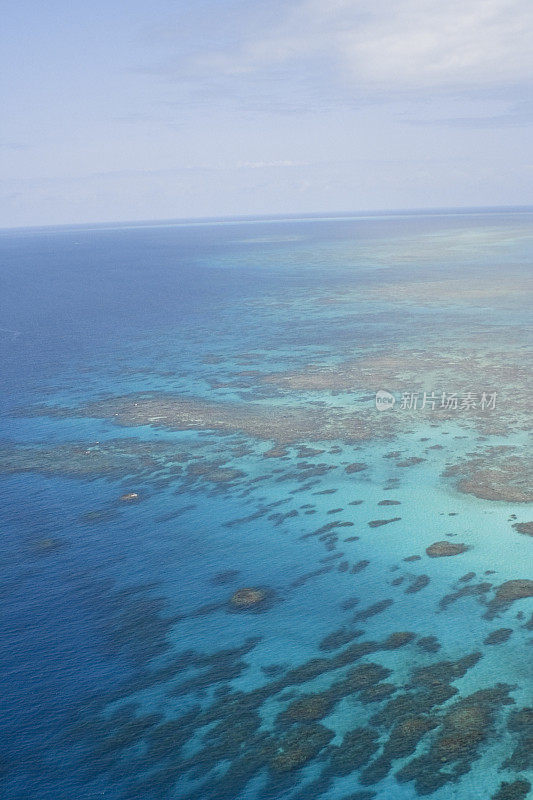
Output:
x=143 y=110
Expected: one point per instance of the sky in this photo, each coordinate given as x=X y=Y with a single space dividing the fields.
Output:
x=159 y=110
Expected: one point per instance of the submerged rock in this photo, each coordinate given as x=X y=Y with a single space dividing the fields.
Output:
x=47 y=545
x=248 y=597
x=129 y=497
x=227 y=576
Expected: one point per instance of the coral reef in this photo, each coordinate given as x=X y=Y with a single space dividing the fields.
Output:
x=517 y=790
x=299 y=746
x=440 y=549
x=524 y=527
x=356 y=749
x=498 y=636
x=506 y=479
x=308 y=708
x=247 y=597
x=355 y=467
x=463 y=729
x=520 y=723
x=508 y=593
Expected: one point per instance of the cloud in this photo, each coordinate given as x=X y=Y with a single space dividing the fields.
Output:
x=423 y=43
x=355 y=48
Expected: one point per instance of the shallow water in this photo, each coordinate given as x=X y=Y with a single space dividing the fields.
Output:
x=226 y=374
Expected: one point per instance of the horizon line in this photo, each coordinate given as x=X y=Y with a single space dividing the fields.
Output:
x=273 y=217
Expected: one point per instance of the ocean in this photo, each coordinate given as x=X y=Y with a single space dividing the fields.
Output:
x=226 y=573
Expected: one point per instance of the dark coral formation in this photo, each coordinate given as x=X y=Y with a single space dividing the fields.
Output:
x=398 y=639
x=418 y=582
x=298 y=423
x=377 y=523
x=299 y=746
x=507 y=477
x=229 y=728
x=410 y=462
x=360 y=565
x=357 y=466
x=377 y=692
x=406 y=735
x=513 y=590
x=464 y=728
x=524 y=527
x=508 y=593
x=472 y=590
x=47 y=545
x=440 y=549
x=371 y=611
x=517 y=790
x=356 y=749
x=520 y=724
x=308 y=708
x=498 y=636
x=338 y=639
x=247 y=598
x=429 y=643
x=225 y=577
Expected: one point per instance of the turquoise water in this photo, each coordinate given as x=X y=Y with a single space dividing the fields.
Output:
x=128 y=672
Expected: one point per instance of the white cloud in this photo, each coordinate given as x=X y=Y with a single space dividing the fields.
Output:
x=394 y=44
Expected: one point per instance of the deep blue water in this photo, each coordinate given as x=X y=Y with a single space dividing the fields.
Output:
x=111 y=613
